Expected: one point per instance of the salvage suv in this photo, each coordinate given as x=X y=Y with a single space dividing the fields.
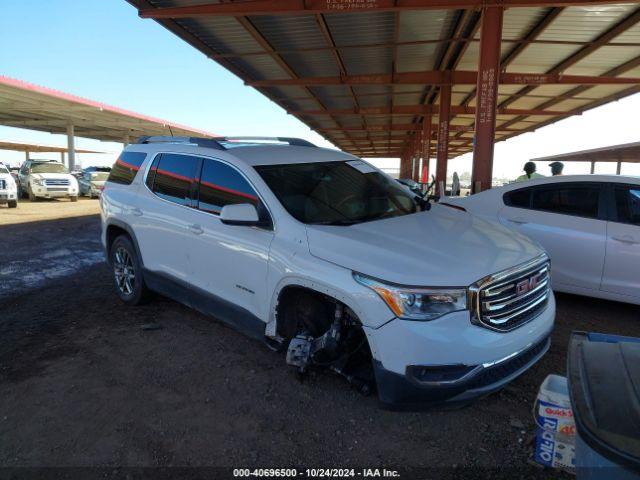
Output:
x=47 y=179
x=323 y=256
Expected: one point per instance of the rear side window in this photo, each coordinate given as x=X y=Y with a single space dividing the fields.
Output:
x=628 y=204
x=126 y=167
x=222 y=185
x=174 y=175
x=575 y=200
x=518 y=198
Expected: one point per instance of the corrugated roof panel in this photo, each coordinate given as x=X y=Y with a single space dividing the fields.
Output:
x=415 y=58
x=540 y=58
x=603 y=60
x=365 y=28
x=316 y=64
x=223 y=34
x=290 y=33
x=585 y=23
x=425 y=25
x=517 y=22
x=367 y=61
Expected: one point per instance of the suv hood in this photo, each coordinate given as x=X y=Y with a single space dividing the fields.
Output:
x=441 y=247
x=8 y=178
x=53 y=176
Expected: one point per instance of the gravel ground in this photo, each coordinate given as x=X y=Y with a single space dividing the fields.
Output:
x=28 y=211
x=85 y=381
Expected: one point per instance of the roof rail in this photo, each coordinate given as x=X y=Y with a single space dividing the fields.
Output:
x=296 y=142
x=199 y=141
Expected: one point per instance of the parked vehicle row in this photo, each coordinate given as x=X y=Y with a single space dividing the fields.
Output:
x=320 y=254
x=588 y=224
x=38 y=179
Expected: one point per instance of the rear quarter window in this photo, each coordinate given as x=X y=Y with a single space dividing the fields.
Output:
x=126 y=167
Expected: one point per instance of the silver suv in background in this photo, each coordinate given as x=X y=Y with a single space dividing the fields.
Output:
x=47 y=179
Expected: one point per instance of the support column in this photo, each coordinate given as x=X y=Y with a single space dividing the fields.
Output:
x=487 y=96
x=426 y=145
x=618 y=168
x=417 y=152
x=443 y=136
x=126 y=140
x=71 y=146
x=593 y=168
x=27 y=156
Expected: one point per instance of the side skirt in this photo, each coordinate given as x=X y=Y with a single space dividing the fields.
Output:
x=205 y=302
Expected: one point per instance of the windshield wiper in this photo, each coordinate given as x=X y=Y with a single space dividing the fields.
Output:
x=342 y=223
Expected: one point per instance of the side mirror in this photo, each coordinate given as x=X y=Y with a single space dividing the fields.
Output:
x=240 y=214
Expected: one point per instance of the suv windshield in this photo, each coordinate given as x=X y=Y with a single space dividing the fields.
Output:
x=3 y=169
x=48 y=168
x=337 y=193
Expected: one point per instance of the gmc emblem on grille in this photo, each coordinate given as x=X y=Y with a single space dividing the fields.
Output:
x=528 y=284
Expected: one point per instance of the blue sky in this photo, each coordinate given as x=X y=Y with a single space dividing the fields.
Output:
x=103 y=51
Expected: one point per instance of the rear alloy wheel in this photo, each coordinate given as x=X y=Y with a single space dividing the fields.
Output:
x=127 y=272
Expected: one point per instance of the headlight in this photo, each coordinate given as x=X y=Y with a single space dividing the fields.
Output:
x=416 y=303
x=37 y=181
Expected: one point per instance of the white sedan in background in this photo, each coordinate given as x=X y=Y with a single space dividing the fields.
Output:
x=588 y=224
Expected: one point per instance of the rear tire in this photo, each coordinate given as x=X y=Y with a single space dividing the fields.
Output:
x=13 y=203
x=127 y=272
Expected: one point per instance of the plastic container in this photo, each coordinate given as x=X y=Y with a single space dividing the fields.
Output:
x=604 y=387
x=555 y=435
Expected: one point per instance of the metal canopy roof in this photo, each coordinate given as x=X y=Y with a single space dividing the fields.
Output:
x=628 y=152
x=25 y=105
x=360 y=72
x=36 y=147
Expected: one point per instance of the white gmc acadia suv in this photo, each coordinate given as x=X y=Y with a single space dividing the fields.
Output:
x=318 y=253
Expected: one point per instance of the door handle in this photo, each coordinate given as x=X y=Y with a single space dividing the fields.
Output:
x=196 y=229
x=628 y=239
x=517 y=221
x=135 y=211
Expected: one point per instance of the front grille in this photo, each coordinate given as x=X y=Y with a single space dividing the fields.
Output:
x=56 y=189
x=511 y=298
x=496 y=373
x=56 y=181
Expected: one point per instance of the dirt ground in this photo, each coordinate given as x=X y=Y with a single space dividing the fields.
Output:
x=48 y=210
x=86 y=381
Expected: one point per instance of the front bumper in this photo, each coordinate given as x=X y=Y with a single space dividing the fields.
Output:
x=451 y=360
x=53 y=192
x=8 y=195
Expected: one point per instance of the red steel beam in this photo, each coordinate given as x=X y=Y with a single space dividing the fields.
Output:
x=443 y=136
x=405 y=127
x=487 y=88
x=422 y=110
x=306 y=7
x=437 y=77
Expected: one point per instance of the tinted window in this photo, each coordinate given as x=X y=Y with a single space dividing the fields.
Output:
x=576 y=200
x=126 y=167
x=151 y=176
x=628 y=204
x=337 y=193
x=173 y=177
x=222 y=185
x=518 y=198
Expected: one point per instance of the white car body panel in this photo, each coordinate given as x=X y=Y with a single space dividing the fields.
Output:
x=250 y=266
x=9 y=192
x=592 y=257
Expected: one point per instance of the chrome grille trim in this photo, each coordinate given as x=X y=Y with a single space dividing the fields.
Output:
x=56 y=181
x=495 y=303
